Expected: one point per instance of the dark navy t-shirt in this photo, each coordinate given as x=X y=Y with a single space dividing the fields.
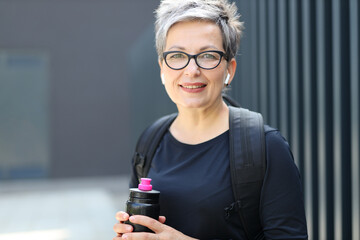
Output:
x=195 y=186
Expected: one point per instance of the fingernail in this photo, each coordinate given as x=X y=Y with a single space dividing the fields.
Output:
x=132 y=218
x=124 y=236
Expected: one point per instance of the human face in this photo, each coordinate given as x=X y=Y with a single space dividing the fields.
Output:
x=192 y=86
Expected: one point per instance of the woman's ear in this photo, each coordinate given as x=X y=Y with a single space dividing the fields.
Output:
x=161 y=74
x=227 y=79
x=231 y=71
x=162 y=79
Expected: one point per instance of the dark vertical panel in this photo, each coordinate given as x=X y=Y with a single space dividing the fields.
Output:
x=320 y=47
x=283 y=96
x=295 y=76
x=324 y=124
x=263 y=69
x=244 y=84
x=313 y=120
x=309 y=84
x=329 y=120
x=342 y=120
x=337 y=119
x=355 y=100
x=272 y=63
x=255 y=54
x=324 y=115
x=346 y=120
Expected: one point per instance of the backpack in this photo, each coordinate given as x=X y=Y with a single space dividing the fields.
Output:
x=247 y=162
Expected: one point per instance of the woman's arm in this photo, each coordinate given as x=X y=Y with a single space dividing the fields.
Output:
x=282 y=207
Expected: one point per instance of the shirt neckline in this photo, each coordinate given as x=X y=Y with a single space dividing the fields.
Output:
x=218 y=138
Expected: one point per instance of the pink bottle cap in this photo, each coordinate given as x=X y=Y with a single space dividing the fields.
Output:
x=145 y=184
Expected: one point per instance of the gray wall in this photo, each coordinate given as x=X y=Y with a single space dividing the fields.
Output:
x=87 y=42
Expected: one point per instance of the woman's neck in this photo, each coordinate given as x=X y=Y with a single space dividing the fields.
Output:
x=194 y=125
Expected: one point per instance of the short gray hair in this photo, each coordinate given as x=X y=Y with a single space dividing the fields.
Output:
x=221 y=12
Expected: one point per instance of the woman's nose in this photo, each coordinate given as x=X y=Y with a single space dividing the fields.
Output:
x=192 y=68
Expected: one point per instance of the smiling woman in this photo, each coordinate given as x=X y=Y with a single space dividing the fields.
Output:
x=197 y=41
x=196 y=85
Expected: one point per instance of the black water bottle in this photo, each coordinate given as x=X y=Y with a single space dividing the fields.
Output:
x=143 y=201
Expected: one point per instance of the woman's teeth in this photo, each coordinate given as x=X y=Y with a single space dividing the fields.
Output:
x=193 y=87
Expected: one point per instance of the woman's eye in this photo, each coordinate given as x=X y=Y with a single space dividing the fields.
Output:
x=208 y=56
x=177 y=56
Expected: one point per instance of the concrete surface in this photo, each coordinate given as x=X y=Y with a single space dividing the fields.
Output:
x=62 y=209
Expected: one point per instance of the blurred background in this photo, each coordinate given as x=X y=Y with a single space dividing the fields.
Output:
x=79 y=81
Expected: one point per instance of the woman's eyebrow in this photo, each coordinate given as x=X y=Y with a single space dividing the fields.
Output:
x=177 y=47
x=208 y=47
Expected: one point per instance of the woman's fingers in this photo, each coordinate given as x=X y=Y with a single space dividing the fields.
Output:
x=122 y=216
x=161 y=231
x=140 y=236
x=122 y=228
x=148 y=222
x=162 y=219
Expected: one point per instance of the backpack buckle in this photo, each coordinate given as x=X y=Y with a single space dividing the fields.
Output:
x=234 y=207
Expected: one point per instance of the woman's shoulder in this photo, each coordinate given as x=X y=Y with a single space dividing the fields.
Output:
x=274 y=137
x=278 y=152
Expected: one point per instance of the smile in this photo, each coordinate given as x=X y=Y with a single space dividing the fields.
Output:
x=193 y=86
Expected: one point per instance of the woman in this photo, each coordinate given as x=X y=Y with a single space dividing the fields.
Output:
x=197 y=41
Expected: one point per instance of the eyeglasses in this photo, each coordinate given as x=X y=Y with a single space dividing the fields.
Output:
x=207 y=60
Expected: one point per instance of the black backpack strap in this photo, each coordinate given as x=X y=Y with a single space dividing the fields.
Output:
x=247 y=166
x=147 y=144
x=229 y=100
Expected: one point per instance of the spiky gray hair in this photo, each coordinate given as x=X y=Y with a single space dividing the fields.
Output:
x=221 y=12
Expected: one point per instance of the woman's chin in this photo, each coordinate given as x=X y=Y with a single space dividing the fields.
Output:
x=193 y=104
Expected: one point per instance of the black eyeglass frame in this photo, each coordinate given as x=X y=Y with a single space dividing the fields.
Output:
x=222 y=55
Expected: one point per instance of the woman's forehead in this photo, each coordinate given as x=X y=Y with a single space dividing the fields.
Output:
x=194 y=35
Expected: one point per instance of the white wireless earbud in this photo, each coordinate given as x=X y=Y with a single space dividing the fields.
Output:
x=227 y=79
x=162 y=79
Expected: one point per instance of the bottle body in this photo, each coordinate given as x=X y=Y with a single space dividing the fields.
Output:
x=143 y=203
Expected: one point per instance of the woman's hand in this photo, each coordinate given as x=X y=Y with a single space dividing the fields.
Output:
x=121 y=228
x=161 y=231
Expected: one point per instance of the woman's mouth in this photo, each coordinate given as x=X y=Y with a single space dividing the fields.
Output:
x=193 y=87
